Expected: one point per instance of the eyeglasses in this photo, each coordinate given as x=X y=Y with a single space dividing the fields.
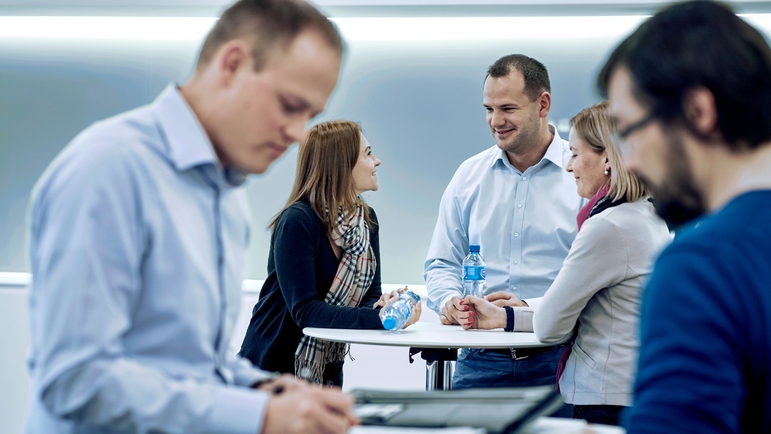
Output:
x=620 y=136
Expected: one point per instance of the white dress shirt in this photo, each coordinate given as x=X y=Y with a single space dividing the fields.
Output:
x=524 y=222
x=136 y=246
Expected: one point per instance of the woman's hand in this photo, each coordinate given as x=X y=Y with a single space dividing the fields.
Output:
x=502 y=298
x=387 y=299
x=414 y=315
x=482 y=314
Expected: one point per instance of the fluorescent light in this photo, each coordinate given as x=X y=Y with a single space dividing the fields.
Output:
x=353 y=28
x=106 y=28
x=485 y=28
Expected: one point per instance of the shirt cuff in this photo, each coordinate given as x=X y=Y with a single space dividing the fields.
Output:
x=523 y=319
x=237 y=410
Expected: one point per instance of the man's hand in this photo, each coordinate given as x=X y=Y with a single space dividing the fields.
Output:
x=453 y=312
x=485 y=315
x=284 y=383
x=502 y=298
x=313 y=410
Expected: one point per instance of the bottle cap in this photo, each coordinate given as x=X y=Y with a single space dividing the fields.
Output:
x=389 y=322
x=474 y=248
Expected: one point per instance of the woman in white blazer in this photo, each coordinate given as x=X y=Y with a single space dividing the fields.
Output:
x=595 y=298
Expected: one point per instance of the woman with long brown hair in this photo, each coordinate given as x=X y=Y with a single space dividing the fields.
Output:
x=324 y=261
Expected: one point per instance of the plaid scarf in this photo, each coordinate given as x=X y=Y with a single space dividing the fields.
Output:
x=354 y=275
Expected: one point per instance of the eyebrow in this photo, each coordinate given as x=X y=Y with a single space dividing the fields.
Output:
x=503 y=106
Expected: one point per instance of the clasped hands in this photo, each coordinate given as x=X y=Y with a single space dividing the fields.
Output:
x=479 y=313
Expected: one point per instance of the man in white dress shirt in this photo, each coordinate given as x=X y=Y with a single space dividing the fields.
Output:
x=519 y=204
x=138 y=233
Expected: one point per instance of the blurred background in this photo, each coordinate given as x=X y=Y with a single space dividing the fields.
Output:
x=412 y=76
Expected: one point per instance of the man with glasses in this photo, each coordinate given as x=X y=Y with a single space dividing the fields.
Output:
x=690 y=92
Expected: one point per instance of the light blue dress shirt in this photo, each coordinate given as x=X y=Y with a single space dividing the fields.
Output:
x=137 y=244
x=524 y=222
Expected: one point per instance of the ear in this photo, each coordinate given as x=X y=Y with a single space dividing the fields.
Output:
x=544 y=101
x=232 y=57
x=700 y=110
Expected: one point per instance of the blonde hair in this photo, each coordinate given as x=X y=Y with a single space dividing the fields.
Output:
x=328 y=153
x=595 y=128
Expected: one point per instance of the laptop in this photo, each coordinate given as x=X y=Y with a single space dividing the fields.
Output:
x=499 y=411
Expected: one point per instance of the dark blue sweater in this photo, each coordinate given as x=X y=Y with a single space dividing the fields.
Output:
x=301 y=267
x=705 y=353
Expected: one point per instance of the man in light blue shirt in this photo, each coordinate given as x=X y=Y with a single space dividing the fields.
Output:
x=138 y=231
x=518 y=203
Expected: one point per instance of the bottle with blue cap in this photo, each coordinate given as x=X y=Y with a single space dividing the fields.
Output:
x=474 y=273
x=395 y=315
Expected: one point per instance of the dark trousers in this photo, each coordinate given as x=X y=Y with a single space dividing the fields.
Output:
x=478 y=368
x=604 y=414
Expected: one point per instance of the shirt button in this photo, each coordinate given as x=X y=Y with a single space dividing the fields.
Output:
x=516 y=262
x=519 y=205
x=516 y=234
x=524 y=178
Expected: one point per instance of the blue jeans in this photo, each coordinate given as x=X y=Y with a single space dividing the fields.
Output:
x=605 y=414
x=478 y=368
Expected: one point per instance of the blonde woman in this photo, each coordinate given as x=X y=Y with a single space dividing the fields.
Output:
x=324 y=261
x=596 y=294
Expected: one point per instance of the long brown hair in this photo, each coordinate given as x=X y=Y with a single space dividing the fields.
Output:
x=328 y=153
x=595 y=128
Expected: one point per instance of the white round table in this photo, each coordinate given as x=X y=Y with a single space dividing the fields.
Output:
x=431 y=335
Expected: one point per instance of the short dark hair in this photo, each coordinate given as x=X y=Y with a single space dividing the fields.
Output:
x=265 y=24
x=535 y=74
x=700 y=44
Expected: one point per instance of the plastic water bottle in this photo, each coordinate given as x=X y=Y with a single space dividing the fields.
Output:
x=396 y=314
x=474 y=272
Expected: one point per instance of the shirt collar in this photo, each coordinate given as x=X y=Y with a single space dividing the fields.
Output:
x=556 y=148
x=188 y=144
x=553 y=152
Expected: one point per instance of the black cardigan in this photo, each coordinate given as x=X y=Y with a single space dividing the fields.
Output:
x=301 y=267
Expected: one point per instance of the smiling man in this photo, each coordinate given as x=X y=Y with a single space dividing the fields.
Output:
x=517 y=202
x=138 y=232
x=690 y=92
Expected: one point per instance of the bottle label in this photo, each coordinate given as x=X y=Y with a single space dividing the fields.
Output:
x=473 y=272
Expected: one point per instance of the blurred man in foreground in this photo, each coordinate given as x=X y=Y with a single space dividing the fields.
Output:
x=690 y=92
x=138 y=230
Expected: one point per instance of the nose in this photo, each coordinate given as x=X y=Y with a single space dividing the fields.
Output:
x=496 y=119
x=296 y=128
x=377 y=161
x=569 y=166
